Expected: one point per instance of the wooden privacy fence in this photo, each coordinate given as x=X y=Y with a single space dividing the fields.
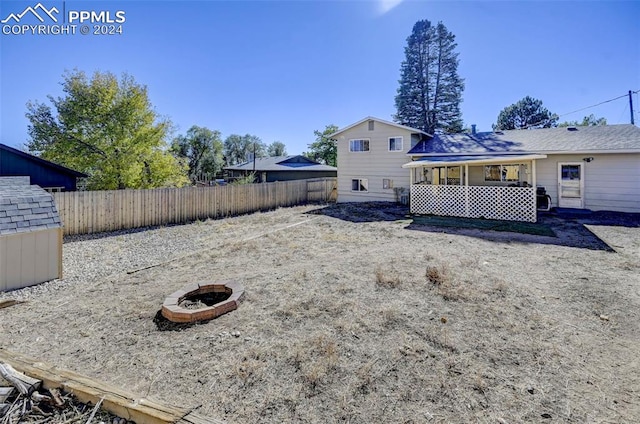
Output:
x=85 y=212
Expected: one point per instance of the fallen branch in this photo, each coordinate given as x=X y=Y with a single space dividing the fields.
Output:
x=25 y=385
x=95 y=409
x=9 y=302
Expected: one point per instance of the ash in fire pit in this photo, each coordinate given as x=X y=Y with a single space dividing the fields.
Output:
x=202 y=301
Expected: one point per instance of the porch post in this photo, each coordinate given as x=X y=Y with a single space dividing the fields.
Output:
x=411 y=171
x=533 y=181
x=533 y=173
x=466 y=190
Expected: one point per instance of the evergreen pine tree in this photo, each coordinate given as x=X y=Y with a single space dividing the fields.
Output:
x=430 y=89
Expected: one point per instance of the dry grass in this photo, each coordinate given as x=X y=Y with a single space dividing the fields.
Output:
x=389 y=279
x=452 y=329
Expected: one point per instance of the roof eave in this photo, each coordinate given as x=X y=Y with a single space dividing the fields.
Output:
x=44 y=162
x=372 y=118
x=497 y=159
x=532 y=152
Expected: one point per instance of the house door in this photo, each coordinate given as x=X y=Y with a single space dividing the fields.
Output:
x=571 y=185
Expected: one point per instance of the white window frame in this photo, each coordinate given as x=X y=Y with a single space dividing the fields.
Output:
x=401 y=143
x=362 y=182
x=363 y=140
x=387 y=183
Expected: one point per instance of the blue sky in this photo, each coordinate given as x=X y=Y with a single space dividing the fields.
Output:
x=280 y=70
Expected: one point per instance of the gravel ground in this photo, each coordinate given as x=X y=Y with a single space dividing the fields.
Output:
x=354 y=314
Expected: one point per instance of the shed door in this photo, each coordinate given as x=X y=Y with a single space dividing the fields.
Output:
x=571 y=185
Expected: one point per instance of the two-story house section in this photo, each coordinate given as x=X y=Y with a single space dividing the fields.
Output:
x=371 y=153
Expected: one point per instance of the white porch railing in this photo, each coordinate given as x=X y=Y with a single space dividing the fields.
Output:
x=508 y=203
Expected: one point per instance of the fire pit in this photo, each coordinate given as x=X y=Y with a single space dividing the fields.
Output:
x=202 y=301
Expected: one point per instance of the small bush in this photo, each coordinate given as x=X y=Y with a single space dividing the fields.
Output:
x=384 y=280
x=437 y=276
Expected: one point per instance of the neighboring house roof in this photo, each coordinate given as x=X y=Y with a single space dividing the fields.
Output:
x=371 y=118
x=25 y=208
x=282 y=163
x=605 y=138
x=46 y=163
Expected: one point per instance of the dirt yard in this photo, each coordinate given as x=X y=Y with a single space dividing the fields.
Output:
x=354 y=315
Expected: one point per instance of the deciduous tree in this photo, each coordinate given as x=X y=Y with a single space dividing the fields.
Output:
x=202 y=149
x=430 y=89
x=526 y=113
x=241 y=148
x=277 y=148
x=324 y=149
x=106 y=128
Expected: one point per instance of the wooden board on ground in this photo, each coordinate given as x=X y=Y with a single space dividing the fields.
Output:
x=116 y=401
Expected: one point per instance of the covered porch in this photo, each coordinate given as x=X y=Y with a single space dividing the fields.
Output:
x=475 y=186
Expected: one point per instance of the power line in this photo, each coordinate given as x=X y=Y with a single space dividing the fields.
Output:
x=598 y=104
x=584 y=108
x=626 y=106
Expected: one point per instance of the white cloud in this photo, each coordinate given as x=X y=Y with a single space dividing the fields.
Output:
x=386 y=5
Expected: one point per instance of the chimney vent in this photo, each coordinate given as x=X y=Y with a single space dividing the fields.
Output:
x=473 y=128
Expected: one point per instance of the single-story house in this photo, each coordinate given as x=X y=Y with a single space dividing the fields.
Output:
x=281 y=168
x=30 y=235
x=496 y=174
x=48 y=175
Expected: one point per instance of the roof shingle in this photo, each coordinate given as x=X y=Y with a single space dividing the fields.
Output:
x=25 y=208
x=605 y=138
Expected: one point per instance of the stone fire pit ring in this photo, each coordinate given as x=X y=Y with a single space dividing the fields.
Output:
x=172 y=310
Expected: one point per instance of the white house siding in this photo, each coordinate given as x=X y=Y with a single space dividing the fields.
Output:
x=612 y=181
x=375 y=165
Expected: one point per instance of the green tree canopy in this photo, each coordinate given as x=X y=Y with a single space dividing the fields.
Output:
x=241 y=148
x=526 y=113
x=108 y=129
x=277 y=148
x=324 y=149
x=587 y=121
x=202 y=149
x=430 y=89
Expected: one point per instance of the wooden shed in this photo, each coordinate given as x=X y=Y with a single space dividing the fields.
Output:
x=30 y=235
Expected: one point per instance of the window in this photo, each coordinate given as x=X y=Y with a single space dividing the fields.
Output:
x=395 y=144
x=371 y=125
x=446 y=175
x=453 y=175
x=359 y=145
x=387 y=183
x=502 y=173
x=359 y=185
